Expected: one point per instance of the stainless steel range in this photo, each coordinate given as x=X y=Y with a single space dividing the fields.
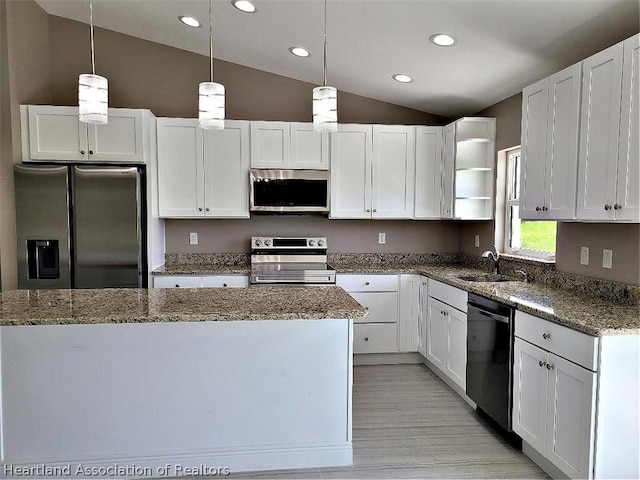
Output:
x=290 y=261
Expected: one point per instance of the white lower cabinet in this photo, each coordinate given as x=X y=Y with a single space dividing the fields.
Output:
x=423 y=298
x=197 y=281
x=409 y=321
x=378 y=332
x=446 y=330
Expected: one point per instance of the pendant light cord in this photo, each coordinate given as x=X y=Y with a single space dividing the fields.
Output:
x=211 y=39
x=325 y=43
x=93 y=59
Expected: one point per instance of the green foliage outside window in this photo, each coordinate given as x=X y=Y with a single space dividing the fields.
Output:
x=537 y=235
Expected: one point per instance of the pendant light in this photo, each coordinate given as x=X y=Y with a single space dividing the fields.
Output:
x=211 y=108
x=93 y=90
x=325 y=99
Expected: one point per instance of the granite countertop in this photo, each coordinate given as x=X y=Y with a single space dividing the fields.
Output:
x=124 y=305
x=592 y=315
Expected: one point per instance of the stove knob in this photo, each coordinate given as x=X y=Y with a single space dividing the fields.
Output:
x=321 y=243
x=267 y=242
x=312 y=243
x=258 y=242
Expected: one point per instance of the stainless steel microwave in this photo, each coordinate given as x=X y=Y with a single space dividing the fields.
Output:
x=289 y=191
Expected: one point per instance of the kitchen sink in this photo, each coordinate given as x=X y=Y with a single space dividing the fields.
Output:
x=484 y=278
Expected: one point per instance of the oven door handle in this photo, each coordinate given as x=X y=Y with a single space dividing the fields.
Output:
x=484 y=313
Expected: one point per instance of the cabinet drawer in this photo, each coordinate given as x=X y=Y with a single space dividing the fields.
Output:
x=447 y=294
x=565 y=342
x=375 y=338
x=383 y=306
x=177 y=281
x=368 y=283
x=225 y=281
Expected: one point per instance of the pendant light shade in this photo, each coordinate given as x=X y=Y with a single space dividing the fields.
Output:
x=325 y=99
x=325 y=109
x=93 y=98
x=211 y=94
x=93 y=90
x=211 y=106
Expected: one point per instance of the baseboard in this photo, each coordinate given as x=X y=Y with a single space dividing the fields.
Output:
x=387 y=358
x=454 y=386
x=217 y=463
x=544 y=463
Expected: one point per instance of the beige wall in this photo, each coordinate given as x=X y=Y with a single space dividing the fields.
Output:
x=144 y=74
x=343 y=236
x=25 y=78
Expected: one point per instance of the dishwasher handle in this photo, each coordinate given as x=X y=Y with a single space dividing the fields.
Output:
x=493 y=316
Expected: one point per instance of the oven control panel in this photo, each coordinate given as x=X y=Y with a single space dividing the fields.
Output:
x=288 y=243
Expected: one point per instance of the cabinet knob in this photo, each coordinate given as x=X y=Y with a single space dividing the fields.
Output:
x=366 y=283
x=607 y=207
x=368 y=210
x=537 y=209
x=366 y=339
x=82 y=152
x=177 y=285
x=541 y=363
x=90 y=152
x=207 y=209
x=224 y=284
x=549 y=366
x=617 y=206
x=375 y=209
x=544 y=209
x=199 y=209
x=546 y=336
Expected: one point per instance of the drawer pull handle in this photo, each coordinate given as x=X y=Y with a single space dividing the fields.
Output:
x=366 y=339
x=541 y=363
x=549 y=366
x=546 y=336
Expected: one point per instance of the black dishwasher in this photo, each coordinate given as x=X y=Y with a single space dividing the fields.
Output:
x=490 y=357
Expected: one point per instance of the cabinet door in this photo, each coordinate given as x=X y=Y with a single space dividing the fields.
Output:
x=535 y=101
x=628 y=190
x=599 y=132
x=120 y=140
x=428 y=178
x=393 y=170
x=456 y=359
x=309 y=149
x=226 y=170
x=436 y=333
x=270 y=145
x=529 y=417
x=180 y=168
x=570 y=417
x=423 y=315
x=409 y=313
x=56 y=133
x=562 y=144
x=448 y=169
x=351 y=171
x=382 y=306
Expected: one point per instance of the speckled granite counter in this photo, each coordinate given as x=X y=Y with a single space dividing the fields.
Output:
x=59 y=307
x=592 y=315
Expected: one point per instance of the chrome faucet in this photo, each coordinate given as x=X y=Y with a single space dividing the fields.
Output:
x=525 y=275
x=495 y=256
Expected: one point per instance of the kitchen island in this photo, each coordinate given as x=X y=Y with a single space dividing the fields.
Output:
x=167 y=382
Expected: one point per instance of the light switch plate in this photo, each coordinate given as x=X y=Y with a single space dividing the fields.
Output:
x=607 y=258
x=584 y=255
x=193 y=238
x=382 y=238
x=476 y=242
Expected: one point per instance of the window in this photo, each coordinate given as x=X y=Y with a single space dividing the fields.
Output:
x=523 y=237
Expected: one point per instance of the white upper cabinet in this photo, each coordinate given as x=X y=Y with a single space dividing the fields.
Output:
x=599 y=134
x=628 y=191
x=448 y=167
x=428 y=178
x=393 y=169
x=226 y=169
x=309 y=149
x=203 y=173
x=270 y=145
x=180 y=168
x=284 y=145
x=351 y=153
x=550 y=117
x=56 y=134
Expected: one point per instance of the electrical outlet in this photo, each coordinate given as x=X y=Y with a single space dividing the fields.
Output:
x=607 y=258
x=193 y=238
x=476 y=242
x=584 y=255
x=382 y=238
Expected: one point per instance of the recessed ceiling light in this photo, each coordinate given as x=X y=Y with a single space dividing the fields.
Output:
x=442 y=39
x=244 y=6
x=402 y=78
x=299 y=52
x=190 y=21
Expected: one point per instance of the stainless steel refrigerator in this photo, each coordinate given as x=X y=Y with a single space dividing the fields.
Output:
x=80 y=226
